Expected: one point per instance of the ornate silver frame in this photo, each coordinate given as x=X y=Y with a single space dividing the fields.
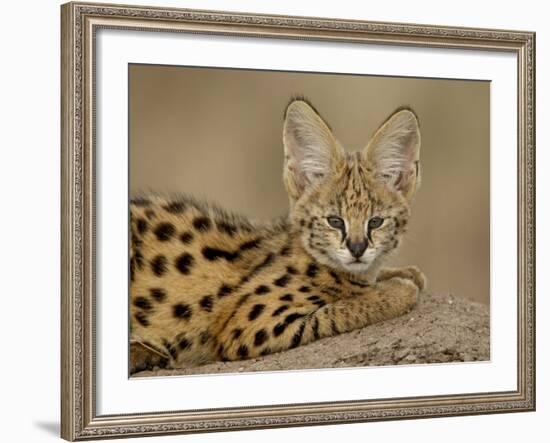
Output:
x=80 y=21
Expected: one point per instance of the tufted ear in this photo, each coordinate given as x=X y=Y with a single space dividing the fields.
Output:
x=311 y=151
x=394 y=152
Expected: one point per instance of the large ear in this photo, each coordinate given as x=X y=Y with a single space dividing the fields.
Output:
x=394 y=152
x=311 y=151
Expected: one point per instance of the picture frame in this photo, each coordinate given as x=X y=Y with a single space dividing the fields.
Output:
x=81 y=203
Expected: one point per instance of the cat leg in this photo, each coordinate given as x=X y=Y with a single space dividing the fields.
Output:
x=385 y=300
x=302 y=323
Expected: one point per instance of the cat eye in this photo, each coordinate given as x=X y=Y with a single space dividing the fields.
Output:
x=375 y=222
x=336 y=222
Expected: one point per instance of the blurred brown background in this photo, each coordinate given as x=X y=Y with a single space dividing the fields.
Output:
x=217 y=134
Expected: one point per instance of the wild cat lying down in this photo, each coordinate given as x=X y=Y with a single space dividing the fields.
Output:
x=207 y=285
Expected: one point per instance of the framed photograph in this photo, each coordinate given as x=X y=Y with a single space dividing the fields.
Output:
x=282 y=221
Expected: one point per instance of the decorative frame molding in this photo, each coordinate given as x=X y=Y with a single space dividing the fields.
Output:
x=80 y=21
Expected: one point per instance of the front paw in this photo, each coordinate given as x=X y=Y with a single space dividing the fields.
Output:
x=402 y=293
x=417 y=276
x=412 y=273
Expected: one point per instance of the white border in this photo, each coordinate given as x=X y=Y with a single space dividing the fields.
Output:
x=116 y=394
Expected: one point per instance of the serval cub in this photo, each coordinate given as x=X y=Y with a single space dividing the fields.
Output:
x=207 y=285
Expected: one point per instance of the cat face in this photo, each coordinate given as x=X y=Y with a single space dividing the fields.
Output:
x=350 y=220
x=350 y=209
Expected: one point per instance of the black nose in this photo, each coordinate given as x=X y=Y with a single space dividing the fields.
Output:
x=357 y=249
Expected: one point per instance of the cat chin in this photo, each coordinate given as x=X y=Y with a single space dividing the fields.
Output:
x=359 y=269
x=356 y=268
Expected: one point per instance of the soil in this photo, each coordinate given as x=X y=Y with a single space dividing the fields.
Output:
x=440 y=329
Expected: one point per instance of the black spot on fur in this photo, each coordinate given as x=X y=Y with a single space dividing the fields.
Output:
x=225 y=290
x=214 y=254
x=158 y=294
x=142 y=225
x=315 y=328
x=138 y=259
x=182 y=311
x=265 y=352
x=304 y=289
x=256 y=311
x=170 y=348
x=291 y=318
x=280 y=310
x=159 y=265
x=204 y=337
x=286 y=297
x=202 y=224
x=260 y=337
x=279 y=329
x=282 y=281
x=227 y=228
x=312 y=270
x=174 y=207
x=331 y=290
x=291 y=270
x=184 y=344
x=359 y=284
x=207 y=303
x=267 y=261
x=165 y=231
x=142 y=303
x=184 y=263
x=262 y=289
x=221 y=353
x=141 y=318
x=316 y=300
x=237 y=332
x=252 y=244
x=336 y=278
x=333 y=327
x=297 y=337
x=186 y=238
x=242 y=299
x=285 y=252
x=242 y=351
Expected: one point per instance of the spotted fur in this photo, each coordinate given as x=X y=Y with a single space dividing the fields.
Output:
x=207 y=285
